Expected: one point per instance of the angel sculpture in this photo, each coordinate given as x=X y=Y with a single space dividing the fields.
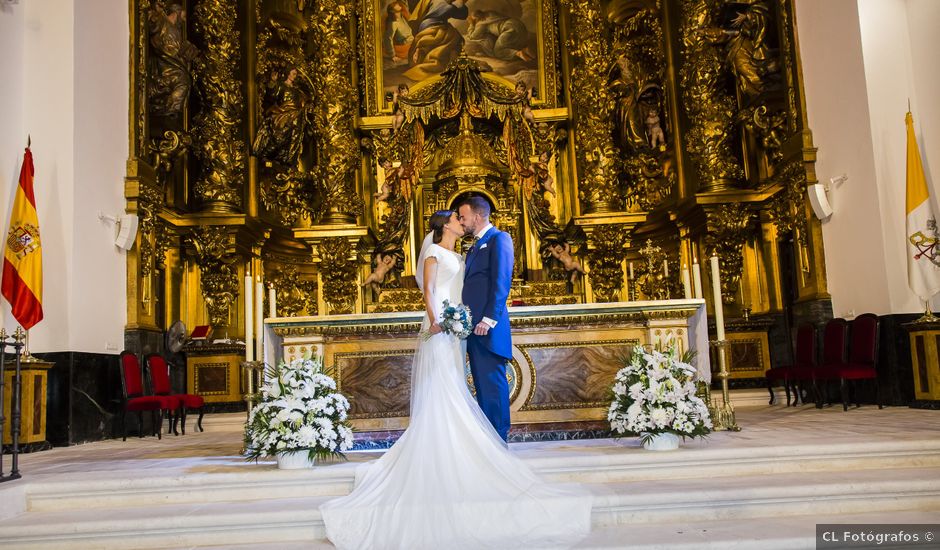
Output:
x=562 y=253
x=384 y=263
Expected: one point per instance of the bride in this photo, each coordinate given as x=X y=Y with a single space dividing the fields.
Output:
x=449 y=482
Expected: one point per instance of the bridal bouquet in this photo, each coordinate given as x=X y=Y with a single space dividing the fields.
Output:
x=300 y=410
x=455 y=320
x=654 y=394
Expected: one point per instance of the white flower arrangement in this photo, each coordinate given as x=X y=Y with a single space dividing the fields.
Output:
x=654 y=394
x=300 y=410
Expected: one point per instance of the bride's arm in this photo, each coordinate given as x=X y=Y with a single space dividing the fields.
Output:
x=430 y=277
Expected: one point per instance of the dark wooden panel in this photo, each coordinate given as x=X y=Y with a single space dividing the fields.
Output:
x=574 y=375
x=378 y=384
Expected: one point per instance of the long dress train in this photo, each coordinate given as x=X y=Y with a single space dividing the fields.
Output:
x=449 y=482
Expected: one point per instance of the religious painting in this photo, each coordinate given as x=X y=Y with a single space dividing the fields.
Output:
x=415 y=40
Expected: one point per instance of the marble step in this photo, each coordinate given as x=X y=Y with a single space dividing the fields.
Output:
x=610 y=464
x=786 y=533
x=622 y=505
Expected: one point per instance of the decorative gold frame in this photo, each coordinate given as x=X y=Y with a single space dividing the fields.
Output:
x=371 y=55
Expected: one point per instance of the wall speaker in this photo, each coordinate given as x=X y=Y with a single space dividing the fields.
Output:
x=819 y=201
x=127 y=231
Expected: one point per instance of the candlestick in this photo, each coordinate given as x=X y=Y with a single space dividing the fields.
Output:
x=249 y=321
x=272 y=302
x=697 y=280
x=716 y=294
x=686 y=284
x=665 y=269
x=259 y=318
x=631 y=270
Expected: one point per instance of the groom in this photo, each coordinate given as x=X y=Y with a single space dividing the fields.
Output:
x=485 y=290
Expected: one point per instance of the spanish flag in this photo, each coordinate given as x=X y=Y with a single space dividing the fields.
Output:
x=22 y=258
x=923 y=239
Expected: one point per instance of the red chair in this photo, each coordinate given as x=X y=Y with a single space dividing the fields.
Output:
x=160 y=383
x=833 y=354
x=805 y=358
x=134 y=400
x=862 y=363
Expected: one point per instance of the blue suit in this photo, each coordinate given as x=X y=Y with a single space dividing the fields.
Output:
x=485 y=291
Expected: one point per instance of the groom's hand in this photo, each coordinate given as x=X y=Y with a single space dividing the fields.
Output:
x=481 y=329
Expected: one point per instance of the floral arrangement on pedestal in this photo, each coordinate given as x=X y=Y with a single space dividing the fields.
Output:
x=300 y=417
x=655 y=398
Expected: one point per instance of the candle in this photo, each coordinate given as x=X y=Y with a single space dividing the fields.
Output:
x=631 y=270
x=697 y=280
x=716 y=293
x=259 y=318
x=686 y=283
x=272 y=302
x=249 y=321
x=665 y=269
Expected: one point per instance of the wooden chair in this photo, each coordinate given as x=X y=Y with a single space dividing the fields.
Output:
x=833 y=355
x=804 y=359
x=160 y=382
x=134 y=400
x=862 y=363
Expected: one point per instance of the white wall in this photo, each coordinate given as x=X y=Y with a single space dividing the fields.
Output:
x=837 y=107
x=65 y=83
x=887 y=52
x=48 y=116
x=101 y=146
x=897 y=42
x=12 y=136
x=923 y=18
x=862 y=61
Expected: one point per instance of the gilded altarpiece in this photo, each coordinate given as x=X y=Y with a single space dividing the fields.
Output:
x=305 y=143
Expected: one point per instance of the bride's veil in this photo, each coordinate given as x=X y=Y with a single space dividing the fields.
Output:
x=419 y=267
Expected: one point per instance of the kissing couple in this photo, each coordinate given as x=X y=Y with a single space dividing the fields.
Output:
x=450 y=480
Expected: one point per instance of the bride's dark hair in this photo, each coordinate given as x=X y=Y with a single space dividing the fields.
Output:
x=437 y=222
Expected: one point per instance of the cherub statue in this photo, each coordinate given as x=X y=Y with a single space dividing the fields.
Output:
x=542 y=174
x=398 y=116
x=383 y=264
x=389 y=184
x=562 y=253
x=653 y=130
x=524 y=97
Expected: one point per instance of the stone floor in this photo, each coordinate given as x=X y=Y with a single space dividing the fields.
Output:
x=219 y=445
x=755 y=505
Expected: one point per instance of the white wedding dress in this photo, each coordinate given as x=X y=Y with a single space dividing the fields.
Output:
x=449 y=482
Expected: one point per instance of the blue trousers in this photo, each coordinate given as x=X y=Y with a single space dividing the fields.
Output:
x=489 y=379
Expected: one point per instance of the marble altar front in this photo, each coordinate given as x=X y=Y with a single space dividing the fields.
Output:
x=564 y=356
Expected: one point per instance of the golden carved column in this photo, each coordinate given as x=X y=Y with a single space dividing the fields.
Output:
x=217 y=128
x=339 y=154
x=710 y=108
x=597 y=157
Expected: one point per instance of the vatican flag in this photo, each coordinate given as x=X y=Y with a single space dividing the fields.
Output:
x=923 y=241
x=22 y=258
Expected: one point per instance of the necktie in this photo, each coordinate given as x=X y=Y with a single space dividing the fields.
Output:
x=473 y=245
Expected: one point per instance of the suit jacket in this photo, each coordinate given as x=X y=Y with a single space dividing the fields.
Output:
x=486 y=287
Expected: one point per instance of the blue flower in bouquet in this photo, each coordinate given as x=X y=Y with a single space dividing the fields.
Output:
x=456 y=320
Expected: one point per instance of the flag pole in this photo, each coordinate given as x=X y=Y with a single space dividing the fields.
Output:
x=928 y=316
x=25 y=356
